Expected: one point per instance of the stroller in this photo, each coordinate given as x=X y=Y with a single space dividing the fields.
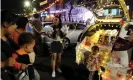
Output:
x=27 y=74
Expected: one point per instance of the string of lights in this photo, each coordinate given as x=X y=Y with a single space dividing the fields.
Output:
x=50 y=5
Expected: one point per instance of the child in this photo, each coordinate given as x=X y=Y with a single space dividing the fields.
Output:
x=92 y=61
x=26 y=54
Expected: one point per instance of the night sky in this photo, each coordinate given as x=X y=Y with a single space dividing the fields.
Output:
x=11 y=4
x=15 y=5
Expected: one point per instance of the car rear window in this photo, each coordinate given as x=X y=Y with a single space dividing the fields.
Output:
x=76 y=26
x=80 y=26
x=103 y=26
x=47 y=24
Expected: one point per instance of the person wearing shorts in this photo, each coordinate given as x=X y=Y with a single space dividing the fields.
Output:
x=56 y=46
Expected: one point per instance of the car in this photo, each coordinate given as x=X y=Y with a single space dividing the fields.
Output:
x=74 y=30
x=105 y=34
x=71 y=30
x=46 y=23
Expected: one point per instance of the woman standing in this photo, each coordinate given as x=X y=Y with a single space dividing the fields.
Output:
x=56 y=46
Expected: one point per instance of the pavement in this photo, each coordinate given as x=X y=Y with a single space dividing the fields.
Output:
x=70 y=70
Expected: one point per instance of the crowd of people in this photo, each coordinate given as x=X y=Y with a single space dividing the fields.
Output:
x=20 y=47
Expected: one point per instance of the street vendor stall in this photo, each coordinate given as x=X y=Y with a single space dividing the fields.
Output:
x=97 y=44
x=115 y=63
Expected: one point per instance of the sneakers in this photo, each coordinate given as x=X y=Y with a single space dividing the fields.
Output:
x=59 y=70
x=53 y=74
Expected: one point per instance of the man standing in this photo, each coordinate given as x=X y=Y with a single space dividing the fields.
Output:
x=37 y=27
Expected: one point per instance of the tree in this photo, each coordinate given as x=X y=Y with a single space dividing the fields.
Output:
x=70 y=11
x=65 y=5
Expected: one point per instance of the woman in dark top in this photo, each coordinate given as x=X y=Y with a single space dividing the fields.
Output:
x=56 y=45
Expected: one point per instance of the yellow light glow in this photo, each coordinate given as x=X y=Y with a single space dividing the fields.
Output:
x=27 y=4
x=106 y=57
x=104 y=62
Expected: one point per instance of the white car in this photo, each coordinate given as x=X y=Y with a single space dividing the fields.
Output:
x=72 y=31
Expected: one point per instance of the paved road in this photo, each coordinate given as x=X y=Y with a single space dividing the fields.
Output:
x=70 y=70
